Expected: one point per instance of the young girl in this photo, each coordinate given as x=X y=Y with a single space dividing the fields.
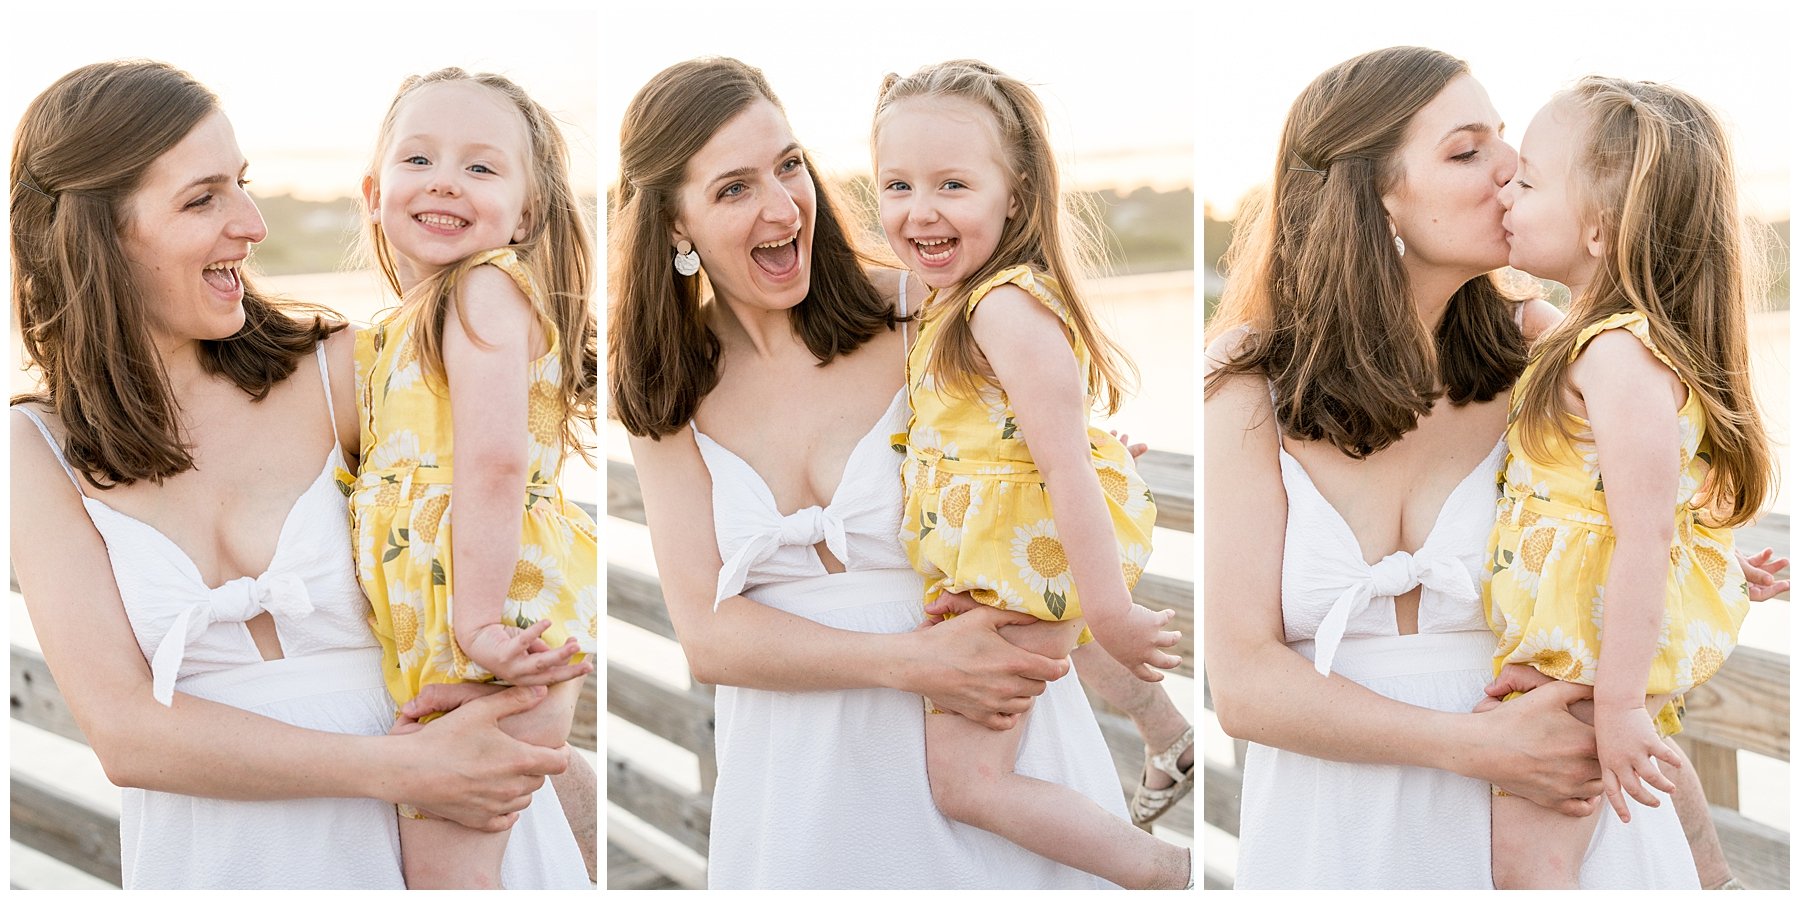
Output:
x=1635 y=445
x=492 y=353
x=1005 y=367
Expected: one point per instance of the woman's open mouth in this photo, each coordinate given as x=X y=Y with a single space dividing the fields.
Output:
x=224 y=277
x=779 y=259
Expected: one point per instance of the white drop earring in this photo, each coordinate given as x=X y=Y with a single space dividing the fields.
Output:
x=687 y=262
x=1399 y=245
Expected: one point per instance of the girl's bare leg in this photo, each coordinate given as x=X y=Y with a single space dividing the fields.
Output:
x=972 y=781
x=436 y=854
x=1158 y=721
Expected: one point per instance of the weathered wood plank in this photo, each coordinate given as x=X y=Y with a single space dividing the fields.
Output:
x=1758 y=853
x=685 y=816
x=683 y=718
x=1745 y=706
x=1717 y=769
x=66 y=827
x=1169 y=475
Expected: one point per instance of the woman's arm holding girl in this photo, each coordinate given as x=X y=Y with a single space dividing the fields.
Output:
x=1265 y=692
x=963 y=665
x=1028 y=347
x=462 y=767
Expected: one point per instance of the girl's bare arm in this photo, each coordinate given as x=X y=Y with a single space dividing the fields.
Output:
x=1028 y=347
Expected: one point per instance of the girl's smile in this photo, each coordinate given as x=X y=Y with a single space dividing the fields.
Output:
x=946 y=191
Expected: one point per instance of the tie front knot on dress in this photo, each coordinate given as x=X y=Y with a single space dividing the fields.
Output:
x=240 y=600
x=1394 y=575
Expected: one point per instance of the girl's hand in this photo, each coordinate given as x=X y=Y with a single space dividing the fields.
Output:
x=471 y=772
x=1136 y=450
x=949 y=604
x=440 y=698
x=1629 y=747
x=1512 y=677
x=970 y=670
x=1760 y=571
x=517 y=656
x=1135 y=638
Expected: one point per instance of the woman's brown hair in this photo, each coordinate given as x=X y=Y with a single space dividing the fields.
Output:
x=1331 y=321
x=81 y=150
x=557 y=249
x=1655 y=173
x=1041 y=234
x=662 y=357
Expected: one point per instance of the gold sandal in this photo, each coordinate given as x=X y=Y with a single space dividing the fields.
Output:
x=1148 y=803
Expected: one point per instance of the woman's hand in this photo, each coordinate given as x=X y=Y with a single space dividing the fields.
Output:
x=1760 y=571
x=465 y=768
x=1533 y=747
x=1629 y=748
x=976 y=673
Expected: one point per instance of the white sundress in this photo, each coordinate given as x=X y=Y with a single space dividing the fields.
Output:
x=827 y=789
x=329 y=679
x=1314 y=823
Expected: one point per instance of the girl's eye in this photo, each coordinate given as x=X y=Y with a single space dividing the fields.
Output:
x=481 y=169
x=954 y=185
x=416 y=160
x=898 y=186
x=1521 y=184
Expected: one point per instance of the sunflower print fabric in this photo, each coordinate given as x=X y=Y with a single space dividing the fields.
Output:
x=400 y=511
x=1552 y=545
x=977 y=515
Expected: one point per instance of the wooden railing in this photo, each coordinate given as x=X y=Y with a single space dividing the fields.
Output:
x=685 y=717
x=1743 y=708
x=66 y=825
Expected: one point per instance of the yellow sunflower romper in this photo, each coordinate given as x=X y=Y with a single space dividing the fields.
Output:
x=977 y=513
x=400 y=510
x=1552 y=543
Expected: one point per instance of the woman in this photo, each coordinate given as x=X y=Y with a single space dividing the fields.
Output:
x=1355 y=506
x=761 y=421
x=185 y=437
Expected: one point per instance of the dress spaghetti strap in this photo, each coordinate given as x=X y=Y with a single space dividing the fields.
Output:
x=55 y=448
x=905 y=340
x=325 y=379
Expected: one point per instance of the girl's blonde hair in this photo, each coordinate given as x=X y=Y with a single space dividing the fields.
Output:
x=1655 y=173
x=1043 y=234
x=558 y=250
x=1313 y=273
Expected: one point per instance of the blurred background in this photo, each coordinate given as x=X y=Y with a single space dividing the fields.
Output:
x=305 y=89
x=1735 y=56
x=1118 y=83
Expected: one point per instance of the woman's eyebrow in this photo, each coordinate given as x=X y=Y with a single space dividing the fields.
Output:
x=741 y=171
x=212 y=179
x=1475 y=127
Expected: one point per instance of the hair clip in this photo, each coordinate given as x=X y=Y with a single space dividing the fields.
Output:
x=34 y=189
x=1303 y=167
